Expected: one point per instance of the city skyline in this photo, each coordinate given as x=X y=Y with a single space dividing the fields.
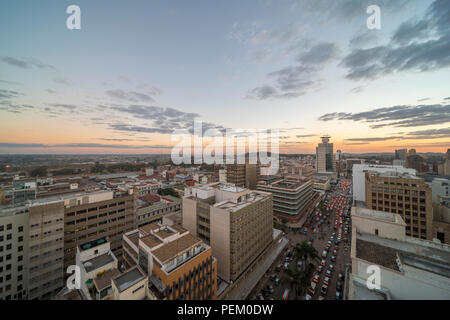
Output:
x=138 y=70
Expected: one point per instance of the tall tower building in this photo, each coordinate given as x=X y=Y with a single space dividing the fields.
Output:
x=325 y=159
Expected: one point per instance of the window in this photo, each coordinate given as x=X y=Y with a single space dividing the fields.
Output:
x=20 y=239
x=9 y=227
x=2 y=227
x=9 y=236
x=20 y=229
x=20 y=249
x=376 y=232
x=9 y=246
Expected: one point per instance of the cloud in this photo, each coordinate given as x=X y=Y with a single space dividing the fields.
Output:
x=61 y=80
x=397 y=116
x=305 y=135
x=417 y=45
x=26 y=63
x=357 y=89
x=9 y=94
x=290 y=81
x=131 y=96
x=363 y=39
x=320 y=54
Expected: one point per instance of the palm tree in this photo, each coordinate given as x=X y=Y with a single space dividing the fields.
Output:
x=305 y=252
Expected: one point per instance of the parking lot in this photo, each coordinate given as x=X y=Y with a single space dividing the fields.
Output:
x=327 y=228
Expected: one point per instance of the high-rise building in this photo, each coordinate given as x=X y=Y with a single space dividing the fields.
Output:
x=90 y=216
x=404 y=194
x=415 y=161
x=325 y=158
x=338 y=155
x=178 y=264
x=13 y=252
x=236 y=222
x=46 y=248
x=289 y=196
x=400 y=154
x=359 y=177
x=243 y=175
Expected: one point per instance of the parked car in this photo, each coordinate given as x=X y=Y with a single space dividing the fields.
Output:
x=339 y=286
x=340 y=277
x=324 y=253
x=333 y=258
x=338 y=295
x=324 y=289
x=326 y=280
x=308 y=297
x=299 y=264
x=316 y=278
x=286 y=294
x=277 y=281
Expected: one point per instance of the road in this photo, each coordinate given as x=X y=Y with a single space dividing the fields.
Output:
x=319 y=237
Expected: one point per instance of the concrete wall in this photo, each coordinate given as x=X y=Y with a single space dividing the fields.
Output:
x=220 y=240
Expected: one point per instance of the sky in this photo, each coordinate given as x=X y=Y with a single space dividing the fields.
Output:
x=138 y=70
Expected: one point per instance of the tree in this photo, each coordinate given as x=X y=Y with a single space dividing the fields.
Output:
x=39 y=172
x=305 y=252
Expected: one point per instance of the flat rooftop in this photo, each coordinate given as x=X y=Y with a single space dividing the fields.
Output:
x=361 y=292
x=98 y=262
x=104 y=281
x=151 y=240
x=129 y=278
x=247 y=200
x=420 y=254
x=375 y=214
x=176 y=247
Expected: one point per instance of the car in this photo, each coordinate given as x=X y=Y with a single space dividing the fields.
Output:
x=286 y=265
x=329 y=273
x=331 y=267
x=333 y=258
x=278 y=268
x=319 y=269
x=260 y=297
x=324 y=253
x=271 y=289
x=339 y=286
x=316 y=278
x=277 y=281
x=336 y=248
x=273 y=276
x=308 y=297
x=326 y=280
x=324 y=289
x=285 y=294
x=334 y=252
x=338 y=295
x=340 y=277
x=321 y=298
x=323 y=262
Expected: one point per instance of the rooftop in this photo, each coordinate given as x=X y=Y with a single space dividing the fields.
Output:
x=129 y=278
x=246 y=200
x=378 y=215
x=151 y=240
x=98 y=262
x=420 y=254
x=104 y=281
x=176 y=247
x=92 y=244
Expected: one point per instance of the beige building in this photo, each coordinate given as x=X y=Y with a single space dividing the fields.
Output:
x=90 y=216
x=236 y=222
x=13 y=252
x=410 y=268
x=404 y=194
x=325 y=157
x=178 y=264
x=46 y=248
x=441 y=221
x=243 y=175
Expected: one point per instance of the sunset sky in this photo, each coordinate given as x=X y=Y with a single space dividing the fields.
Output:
x=137 y=70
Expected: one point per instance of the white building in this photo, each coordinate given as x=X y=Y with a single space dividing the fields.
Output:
x=359 y=179
x=409 y=268
x=440 y=188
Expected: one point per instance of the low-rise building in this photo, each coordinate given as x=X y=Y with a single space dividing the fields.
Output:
x=409 y=268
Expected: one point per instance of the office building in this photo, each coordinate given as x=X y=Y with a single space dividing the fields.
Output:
x=359 y=177
x=404 y=194
x=325 y=158
x=90 y=216
x=410 y=268
x=440 y=188
x=243 y=175
x=290 y=196
x=13 y=252
x=400 y=154
x=236 y=222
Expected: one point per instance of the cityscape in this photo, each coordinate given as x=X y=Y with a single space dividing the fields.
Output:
x=320 y=171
